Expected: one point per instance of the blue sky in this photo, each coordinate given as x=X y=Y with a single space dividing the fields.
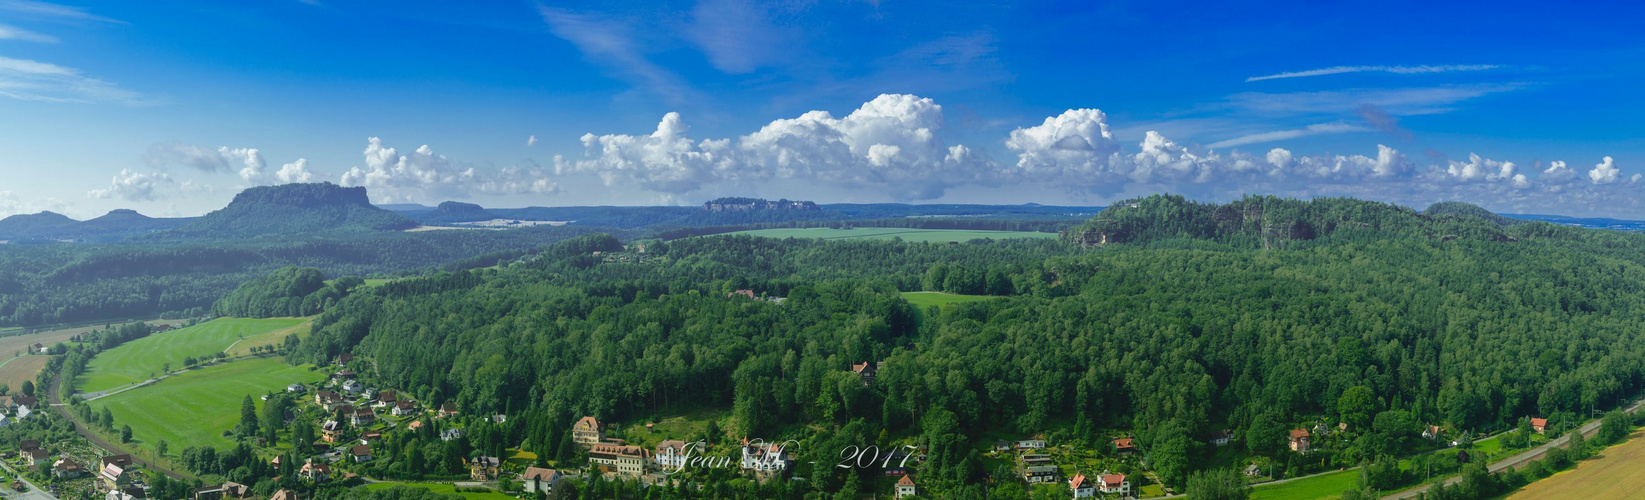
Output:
x=171 y=107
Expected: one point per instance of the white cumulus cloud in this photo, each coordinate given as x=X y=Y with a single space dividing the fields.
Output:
x=133 y=186
x=296 y=171
x=422 y=175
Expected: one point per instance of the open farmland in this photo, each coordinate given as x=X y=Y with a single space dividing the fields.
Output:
x=14 y=371
x=886 y=233
x=147 y=357
x=1616 y=472
x=209 y=398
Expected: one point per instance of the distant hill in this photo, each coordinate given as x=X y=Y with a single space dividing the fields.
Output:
x=1460 y=209
x=452 y=211
x=113 y=226
x=25 y=226
x=294 y=209
x=1274 y=222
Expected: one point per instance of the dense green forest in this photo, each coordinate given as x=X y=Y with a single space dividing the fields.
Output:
x=1261 y=315
x=290 y=291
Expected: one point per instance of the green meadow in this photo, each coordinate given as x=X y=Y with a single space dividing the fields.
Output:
x=442 y=488
x=927 y=299
x=195 y=407
x=1318 y=487
x=886 y=233
x=146 y=357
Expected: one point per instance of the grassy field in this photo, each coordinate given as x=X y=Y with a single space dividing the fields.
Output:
x=16 y=370
x=927 y=299
x=886 y=233
x=1320 y=487
x=137 y=360
x=208 y=400
x=442 y=488
x=13 y=344
x=272 y=337
x=1616 y=472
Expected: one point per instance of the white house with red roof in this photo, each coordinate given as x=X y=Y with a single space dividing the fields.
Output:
x=1082 y=487
x=1114 y=484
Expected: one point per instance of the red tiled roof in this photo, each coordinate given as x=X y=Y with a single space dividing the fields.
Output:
x=1123 y=443
x=1076 y=482
x=1299 y=433
x=905 y=481
x=1113 y=480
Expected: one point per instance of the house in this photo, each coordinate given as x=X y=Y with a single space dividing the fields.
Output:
x=23 y=412
x=483 y=468
x=415 y=425
x=232 y=489
x=448 y=410
x=1040 y=474
x=39 y=348
x=115 y=476
x=5 y=421
x=906 y=487
x=1540 y=425
x=404 y=409
x=628 y=461
x=386 y=398
x=28 y=445
x=368 y=437
x=344 y=358
x=331 y=431
x=223 y=491
x=540 y=480
x=671 y=454
x=1032 y=459
x=1431 y=432
x=209 y=493
x=361 y=453
x=40 y=459
x=1002 y=445
x=1082 y=487
x=1342 y=426
x=362 y=417
x=1253 y=471
x=1299 y=440
x=297 y=388
x=761 y=457
x=284 y=495
x=451 y=434
x=586 y=432
x=352 y=387
x=1114 y=484
x=1221 y=437
x=313 y=472
x=328 y=399
x=25 y=402
x=343 y=374
x=67 y=469
x=867 y=371
x=745 y=293
x=126 y=494
x=1038 y=442
x=1125 y=446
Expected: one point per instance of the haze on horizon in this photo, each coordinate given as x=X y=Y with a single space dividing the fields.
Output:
x=172 y=107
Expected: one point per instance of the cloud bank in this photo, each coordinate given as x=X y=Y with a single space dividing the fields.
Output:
x=422 y=175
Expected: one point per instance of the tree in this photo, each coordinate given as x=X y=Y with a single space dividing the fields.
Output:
x=1613 y=428
x=1578 y=445
x=160 y=447
x=106 y=419
x=1265 y=437
x=1218 y=484
x=28 y=388
x=1356 y=407
x=1171 y=453
x=248 y=417
x=125 y=433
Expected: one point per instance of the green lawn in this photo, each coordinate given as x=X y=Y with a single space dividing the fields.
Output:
x=137 y=360
x=442 y=488
x=195 y=407
x=1319 y=487
x=926 y=299
x=886 y=233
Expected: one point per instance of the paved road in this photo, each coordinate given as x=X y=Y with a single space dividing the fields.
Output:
x=34 y=492
x=1514 y=461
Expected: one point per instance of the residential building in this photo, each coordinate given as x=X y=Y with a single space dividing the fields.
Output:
x=448 y=410
x=314 y=472
x=368 y=437
x=1540 y=425
x=386 y=398
x=1114 y=484
x=67 y=469
x=586 y=432
x=906 y=487
x=344 y=358
x=115 y=476
x=1082 y=487
x=40 y=458
x=451 y=434
x=361 y=453
x=404 y=409
x=1037 y=442
x=671 y=454
x=297 y=388
x=362 y=417
x=352 y=387
x=1431 y=432
x=28 y=445
x=1299 y=440
x=1124 y=446
x=284 y=495
x=1040 y=474
x=328 y=399
x=745 y=293
x=540 y=480
x=483 y=468
x=866 y=371
x=1221 y=437
x=764 y=457
x=120 y=460
x=628 y=461
x=331 y=431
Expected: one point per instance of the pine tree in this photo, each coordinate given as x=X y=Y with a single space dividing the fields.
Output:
x=248 y=417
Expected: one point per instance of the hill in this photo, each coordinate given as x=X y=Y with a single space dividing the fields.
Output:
x=452 y=211
x=1460 y=209
x=1272 y=222
x=115 y=225
x=293 y=209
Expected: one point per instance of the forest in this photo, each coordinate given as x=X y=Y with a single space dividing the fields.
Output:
x=1161 y=319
